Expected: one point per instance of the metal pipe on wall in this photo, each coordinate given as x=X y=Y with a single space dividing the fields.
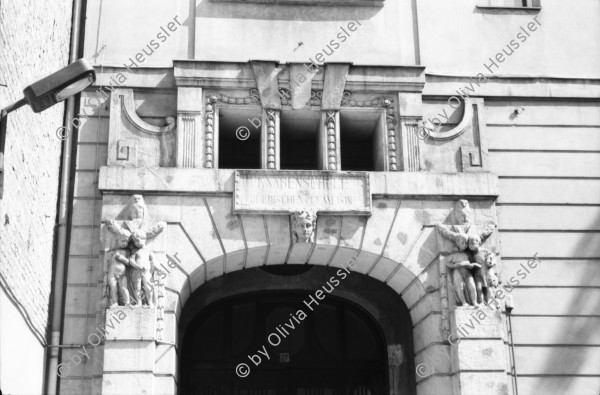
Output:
x=62 y=225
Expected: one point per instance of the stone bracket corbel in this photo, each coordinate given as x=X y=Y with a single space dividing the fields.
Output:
x=266 y=77
x=301 y=81
x=334 y=85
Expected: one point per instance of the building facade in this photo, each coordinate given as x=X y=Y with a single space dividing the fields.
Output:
x=335 y=197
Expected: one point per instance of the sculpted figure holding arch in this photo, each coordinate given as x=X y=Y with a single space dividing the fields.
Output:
x=468 y=274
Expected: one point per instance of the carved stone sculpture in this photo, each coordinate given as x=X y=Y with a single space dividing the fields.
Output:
x=471 y=267
x=303 y=226
x=486 y=279
x=462 y=213
x=143 y=262
x=131 y=266
x=462 y=278
x=117 y=266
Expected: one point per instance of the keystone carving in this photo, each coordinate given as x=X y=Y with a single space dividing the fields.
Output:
x=303 y=226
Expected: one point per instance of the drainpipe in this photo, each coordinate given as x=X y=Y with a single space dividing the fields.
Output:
x=63 y=216
x=513 y=369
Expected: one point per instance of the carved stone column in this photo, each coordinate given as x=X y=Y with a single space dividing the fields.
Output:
x=189 y=132
x=329 y=157
x=390 y=120
x=270 y=152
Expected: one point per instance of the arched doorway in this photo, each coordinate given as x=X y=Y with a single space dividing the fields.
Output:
x=346 y=345
x=335 y=349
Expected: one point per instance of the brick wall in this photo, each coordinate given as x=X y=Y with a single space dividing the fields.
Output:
x=34 y=42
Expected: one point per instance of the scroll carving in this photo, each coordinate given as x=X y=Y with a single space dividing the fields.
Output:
x=132 y=141
x=316 y=98
x=464 y=124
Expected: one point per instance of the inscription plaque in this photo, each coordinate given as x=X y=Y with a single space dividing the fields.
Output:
x=286 y=191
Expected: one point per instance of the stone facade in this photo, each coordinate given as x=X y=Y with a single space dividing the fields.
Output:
x=502 y=151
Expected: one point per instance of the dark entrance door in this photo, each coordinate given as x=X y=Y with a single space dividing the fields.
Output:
x=336 y=349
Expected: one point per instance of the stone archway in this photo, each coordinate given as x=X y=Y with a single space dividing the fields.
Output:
x=384 y=307
x=204 y=241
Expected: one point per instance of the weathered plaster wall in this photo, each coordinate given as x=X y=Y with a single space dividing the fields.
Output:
x=456 y=38
x=240 y=32
x=34 y=42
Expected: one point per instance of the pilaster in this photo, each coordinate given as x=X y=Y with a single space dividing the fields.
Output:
x=190 y=132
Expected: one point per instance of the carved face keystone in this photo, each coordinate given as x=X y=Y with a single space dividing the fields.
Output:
x=303 y=226
x=304 y=230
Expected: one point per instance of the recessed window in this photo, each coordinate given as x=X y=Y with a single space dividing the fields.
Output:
x=299 y=130
x=239 y=138
x=361 y=134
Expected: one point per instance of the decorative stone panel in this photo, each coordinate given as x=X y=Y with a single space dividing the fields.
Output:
x=132 y=142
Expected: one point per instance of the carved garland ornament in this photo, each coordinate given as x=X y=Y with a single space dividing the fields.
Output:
x=316 y=98
x=347 y=100
x=253 y=97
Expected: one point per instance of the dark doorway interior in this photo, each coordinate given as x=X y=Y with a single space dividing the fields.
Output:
x=337 y=349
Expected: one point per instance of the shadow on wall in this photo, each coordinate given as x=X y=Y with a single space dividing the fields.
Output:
x=574 y=362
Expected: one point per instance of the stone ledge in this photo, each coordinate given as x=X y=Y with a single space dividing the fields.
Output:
x=367 y=3
x=171 y=180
